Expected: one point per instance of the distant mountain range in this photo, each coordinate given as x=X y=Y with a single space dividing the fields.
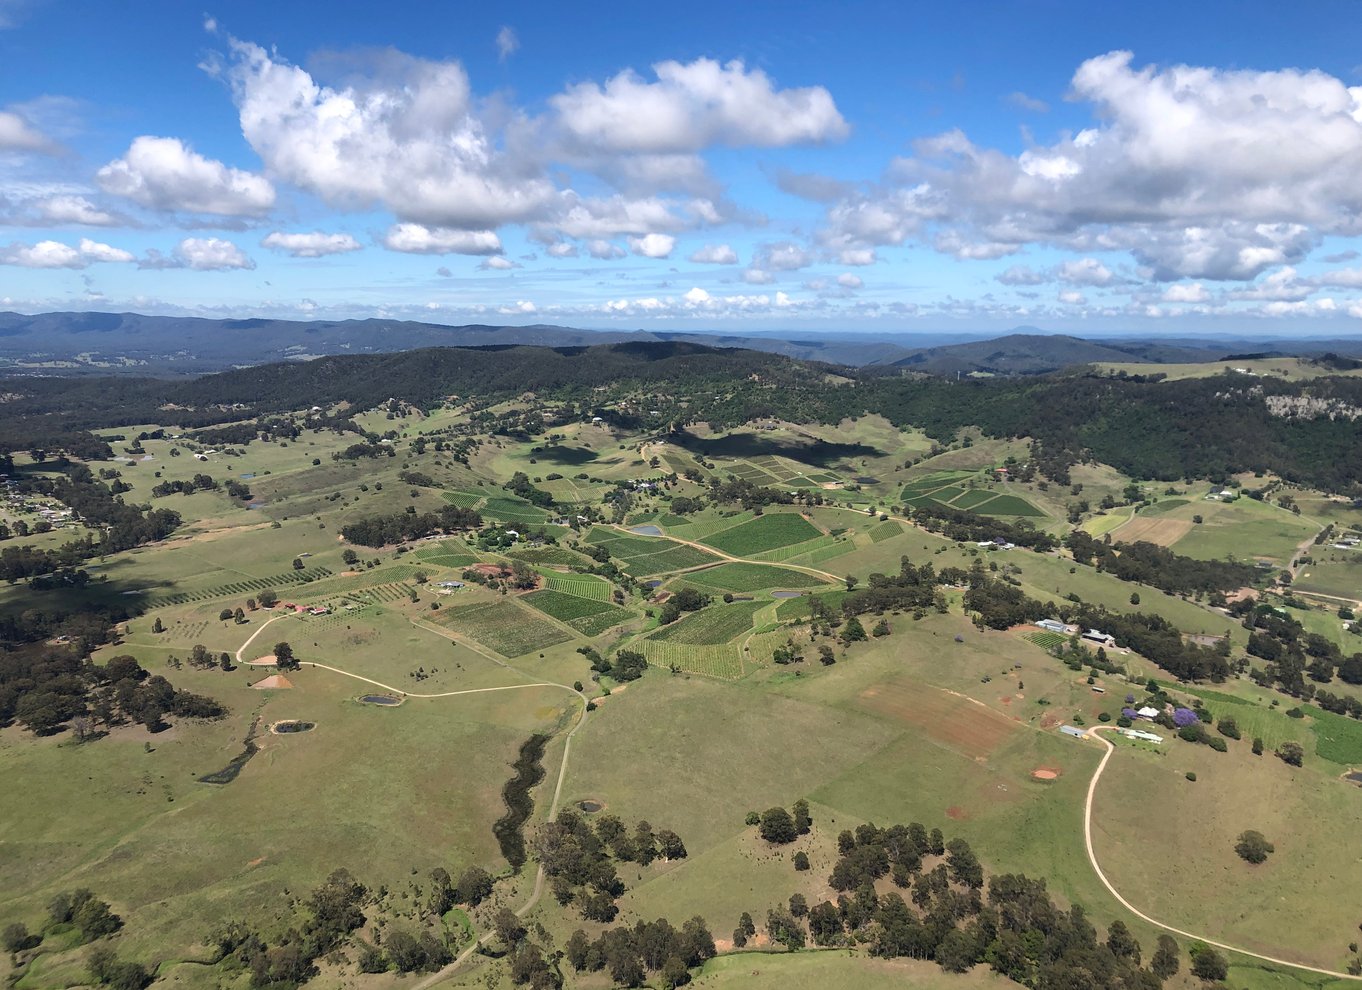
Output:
x=105 y=343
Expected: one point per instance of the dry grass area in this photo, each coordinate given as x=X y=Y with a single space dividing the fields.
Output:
x=954 y=722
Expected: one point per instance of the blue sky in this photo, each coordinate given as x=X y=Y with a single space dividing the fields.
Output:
x=1156 y=168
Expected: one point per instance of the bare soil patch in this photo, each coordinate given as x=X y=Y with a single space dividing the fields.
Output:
x=269 y=660
x=273 y=682
x=956 y=813
x=1046 y=773
x=952 y=721
x=1153 y=529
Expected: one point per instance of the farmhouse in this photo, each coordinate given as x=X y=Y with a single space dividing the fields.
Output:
x=1055 y=626
x=1099 y=637
x=1148 y=713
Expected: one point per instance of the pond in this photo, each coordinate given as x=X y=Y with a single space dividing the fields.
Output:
x=654 y=583
x=1354 y=777
x=380 y=699
x=248 y=476
x=866 y=481
x=786 y=594
x=645 y=530
x=590 y=807
x=292 y=725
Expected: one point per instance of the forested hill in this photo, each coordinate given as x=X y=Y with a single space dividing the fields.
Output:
x=1193 y=428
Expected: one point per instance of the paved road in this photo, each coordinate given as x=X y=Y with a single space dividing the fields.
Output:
x=1092 y=858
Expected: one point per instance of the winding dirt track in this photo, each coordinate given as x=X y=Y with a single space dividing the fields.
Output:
x=1092 y=858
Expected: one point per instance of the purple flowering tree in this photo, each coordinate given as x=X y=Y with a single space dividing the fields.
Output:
x=1184 y=716
x=1130 y=713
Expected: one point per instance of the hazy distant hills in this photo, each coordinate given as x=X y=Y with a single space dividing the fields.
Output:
x=130 y=343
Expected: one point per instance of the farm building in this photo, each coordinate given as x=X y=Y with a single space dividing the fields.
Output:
x=1055 y=626
x=1070 y=730
x=449 y=584
x=1100 y=638
x=1141 y=734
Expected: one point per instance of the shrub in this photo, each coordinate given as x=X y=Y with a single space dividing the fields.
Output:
x=1191 y=775
x=1227 y=726
x=1253 y=847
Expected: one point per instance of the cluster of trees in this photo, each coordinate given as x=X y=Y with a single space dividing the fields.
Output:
x=778 y=826
x=912 y=589
x=685 y=600
x=745 y=493
x=631 y=954
x=627 y=665
x=957 y=524
x=944 y=908
x=577 y=858
x=332 y=912
x=1148 y=563
x=398 y=527
x=46 y=690
x=199 y=483
x=1292 y=655
x=521 y=486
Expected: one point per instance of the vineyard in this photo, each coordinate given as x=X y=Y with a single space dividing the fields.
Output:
x=550 y=556
x=383 y=574
x=246 y=587
x=886 y=530
x=502 y=626
x=464 y=500
x=781 y=554
x=642 y=555
x=751 y=577
x=763 y=533
x=581 y=585
x=449 y=553
x=724 y=662
x=589 y=617
x=711 y=626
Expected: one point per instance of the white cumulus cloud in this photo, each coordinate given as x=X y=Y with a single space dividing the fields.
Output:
x=54 y=254
x=315 y=244
x=715 y=254
x=163 y=173
x=653 y=245
x=507 y=42
x=695 y=105
x=414 y=238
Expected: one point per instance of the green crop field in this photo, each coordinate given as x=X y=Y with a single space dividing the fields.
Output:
x=751 y=577
x=1009 y=505
x=710 y=626
x=767 y=532
x=449 y=553
x=503 y=627
x=886 y=530
x=464 y=500
x=552 y=556
x=581 y=585
x=676 y=558
x=973 y=497
x=512 y=510
x=588 y=616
